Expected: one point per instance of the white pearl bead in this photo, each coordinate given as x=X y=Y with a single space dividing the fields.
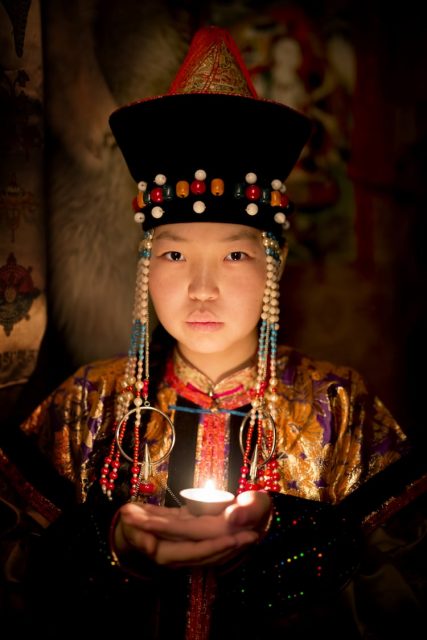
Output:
x=276 y=184
x=252 y=209
x=251 y=178
x=199 y=206
x=137 y=402
x=142 y=186
x=280 y=217
x=200 y=174
x=160 y=179
x=139 y=217
x=157 y=212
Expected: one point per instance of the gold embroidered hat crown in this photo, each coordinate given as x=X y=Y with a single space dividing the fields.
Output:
x=210 y=149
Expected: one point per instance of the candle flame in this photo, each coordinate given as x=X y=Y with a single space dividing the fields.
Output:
x=210 y=485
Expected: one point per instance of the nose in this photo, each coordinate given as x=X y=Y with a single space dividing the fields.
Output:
x=203 y=284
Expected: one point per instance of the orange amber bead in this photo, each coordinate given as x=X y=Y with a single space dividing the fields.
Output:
x=182 y=189
x=217 y=187
x=275 y=198
x=140 y=199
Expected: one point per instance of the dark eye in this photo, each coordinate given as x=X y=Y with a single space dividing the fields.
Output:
x=174 y=256
x=235 y=256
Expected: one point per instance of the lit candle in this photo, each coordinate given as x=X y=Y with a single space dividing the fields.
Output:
x=206 y=500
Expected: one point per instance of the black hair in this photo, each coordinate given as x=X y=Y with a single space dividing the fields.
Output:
x=161 y=347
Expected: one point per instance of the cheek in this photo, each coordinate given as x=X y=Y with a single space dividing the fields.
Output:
x=253 y=282
x=167 y=293
x=160 y=290
x=249 y=291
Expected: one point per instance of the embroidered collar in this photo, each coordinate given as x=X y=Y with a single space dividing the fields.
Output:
x=234 y=390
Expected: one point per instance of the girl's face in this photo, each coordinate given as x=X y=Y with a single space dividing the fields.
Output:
x=206 y=283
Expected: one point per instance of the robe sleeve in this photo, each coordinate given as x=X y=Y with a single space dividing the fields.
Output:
x=311 y=551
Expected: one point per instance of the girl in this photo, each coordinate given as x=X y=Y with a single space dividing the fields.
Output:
x=213 y=398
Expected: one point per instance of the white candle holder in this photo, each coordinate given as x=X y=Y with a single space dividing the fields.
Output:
x=202 y=501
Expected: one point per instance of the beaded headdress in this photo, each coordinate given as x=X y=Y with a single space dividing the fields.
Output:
x=210 y=150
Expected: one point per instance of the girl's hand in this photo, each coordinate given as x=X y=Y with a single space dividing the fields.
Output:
x=175 y=538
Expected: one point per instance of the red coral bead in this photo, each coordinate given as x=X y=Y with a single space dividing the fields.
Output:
x=198 y=186
x=147 y=488
x=156 y=194
x=253 y=192
x=135 y=205
x=284 y=200
x=252 y=486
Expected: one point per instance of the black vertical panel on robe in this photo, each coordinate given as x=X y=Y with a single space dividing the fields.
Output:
x=182 y=459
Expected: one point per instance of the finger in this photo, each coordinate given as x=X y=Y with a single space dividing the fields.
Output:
x=170 y=524
x=132 y=538
x=138 y=507
x=154 y=508
x=192 y=528
x=203 y=552
x=250 y=510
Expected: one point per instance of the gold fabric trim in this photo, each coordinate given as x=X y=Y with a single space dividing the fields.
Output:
x=216 y=72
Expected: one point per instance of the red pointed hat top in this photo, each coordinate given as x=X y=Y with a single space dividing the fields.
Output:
x=210 y=149
x=213 y=65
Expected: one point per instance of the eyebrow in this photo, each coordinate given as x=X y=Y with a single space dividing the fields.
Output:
x=241 y=235
x=168 y=235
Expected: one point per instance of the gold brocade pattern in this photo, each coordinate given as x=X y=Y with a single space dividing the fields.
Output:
x=233 y=388
x=332 y=435
x=215 y=72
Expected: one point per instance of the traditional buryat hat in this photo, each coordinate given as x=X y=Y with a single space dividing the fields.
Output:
x=210 y=149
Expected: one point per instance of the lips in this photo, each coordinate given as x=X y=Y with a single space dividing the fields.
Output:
x=205 y=327
x=203 y=322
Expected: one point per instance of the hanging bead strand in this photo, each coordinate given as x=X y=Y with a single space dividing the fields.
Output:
x=271 y=474
x=135 y=379
x=266 y=377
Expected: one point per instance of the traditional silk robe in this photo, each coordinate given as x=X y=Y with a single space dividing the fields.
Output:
x=332 y=437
